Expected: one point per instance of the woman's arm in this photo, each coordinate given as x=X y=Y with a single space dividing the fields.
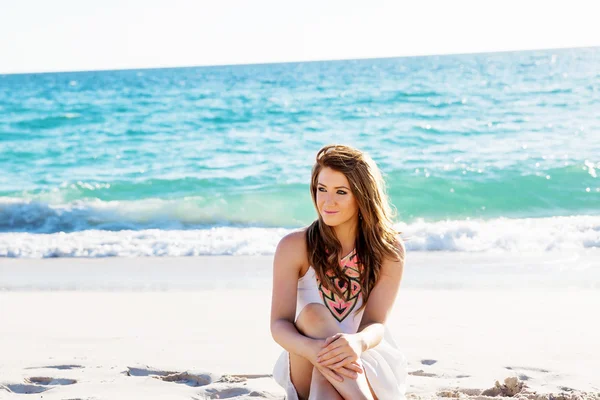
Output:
x=288 y=261
x=381 y=300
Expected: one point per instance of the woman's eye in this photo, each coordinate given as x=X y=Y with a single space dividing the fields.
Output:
x=339 y=191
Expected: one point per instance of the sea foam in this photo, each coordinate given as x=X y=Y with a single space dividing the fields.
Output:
x=502 y=235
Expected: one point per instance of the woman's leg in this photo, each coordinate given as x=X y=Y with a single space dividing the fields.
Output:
x=316 y=321
x=320 y=388
x=307 y=380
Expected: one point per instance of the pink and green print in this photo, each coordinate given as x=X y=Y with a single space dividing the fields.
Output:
x=340 y=307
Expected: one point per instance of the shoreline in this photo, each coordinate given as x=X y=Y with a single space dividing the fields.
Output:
x=423 y=270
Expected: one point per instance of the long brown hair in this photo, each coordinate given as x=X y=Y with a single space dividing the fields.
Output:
x=376 y=238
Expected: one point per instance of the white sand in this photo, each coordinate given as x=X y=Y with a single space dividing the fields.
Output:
x=132 y=321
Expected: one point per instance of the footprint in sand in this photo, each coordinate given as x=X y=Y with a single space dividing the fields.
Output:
x=66 y=366
x=527 y=369
x=227 y=393
x=423 y=373
x=566 y=389
x=242 y=377
x=457 y=393
x=146 y=371
x=230 y=392
x=36 y=385
x=188 y=378
x=47 y=381
x=531 y=371
x=20 y=388
x=193 y=379
x=213 y=386
x=432 y=375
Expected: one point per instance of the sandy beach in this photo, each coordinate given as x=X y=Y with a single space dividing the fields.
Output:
x=198 y=327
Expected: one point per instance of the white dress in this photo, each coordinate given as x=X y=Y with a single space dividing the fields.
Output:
x=385 y=366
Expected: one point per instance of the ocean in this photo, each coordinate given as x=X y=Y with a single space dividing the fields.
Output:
x=483 y=153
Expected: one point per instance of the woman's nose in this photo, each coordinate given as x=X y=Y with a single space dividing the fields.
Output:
x=329 y=199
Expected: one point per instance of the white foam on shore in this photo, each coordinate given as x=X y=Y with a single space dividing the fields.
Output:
x=505 y=234
x=574 y=233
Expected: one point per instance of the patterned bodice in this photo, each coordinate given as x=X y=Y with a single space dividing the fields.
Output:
x=310 y=290
x=341 y=307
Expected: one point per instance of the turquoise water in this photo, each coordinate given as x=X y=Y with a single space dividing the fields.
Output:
x=484 y=137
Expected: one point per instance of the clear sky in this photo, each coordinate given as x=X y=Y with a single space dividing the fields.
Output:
x=74 y=35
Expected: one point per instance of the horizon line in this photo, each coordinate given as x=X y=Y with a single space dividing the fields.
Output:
x=145 y=68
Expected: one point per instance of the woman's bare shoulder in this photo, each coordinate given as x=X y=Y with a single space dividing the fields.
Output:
x=395 y=265
x=293 y=246
x=400 y=248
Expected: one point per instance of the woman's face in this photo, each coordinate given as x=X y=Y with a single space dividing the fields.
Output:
x=335 y=200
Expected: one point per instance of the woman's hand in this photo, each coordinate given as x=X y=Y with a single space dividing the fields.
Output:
x=351 y=370
x=340 y=350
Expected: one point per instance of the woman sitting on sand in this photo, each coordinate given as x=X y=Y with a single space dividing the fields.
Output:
x=334 y=285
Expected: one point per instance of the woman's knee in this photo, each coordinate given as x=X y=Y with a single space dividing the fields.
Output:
x=316 y=320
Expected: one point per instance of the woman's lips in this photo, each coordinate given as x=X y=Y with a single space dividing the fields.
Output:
x=331 y=212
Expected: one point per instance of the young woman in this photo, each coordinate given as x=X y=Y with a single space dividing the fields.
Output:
x=334 y=285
